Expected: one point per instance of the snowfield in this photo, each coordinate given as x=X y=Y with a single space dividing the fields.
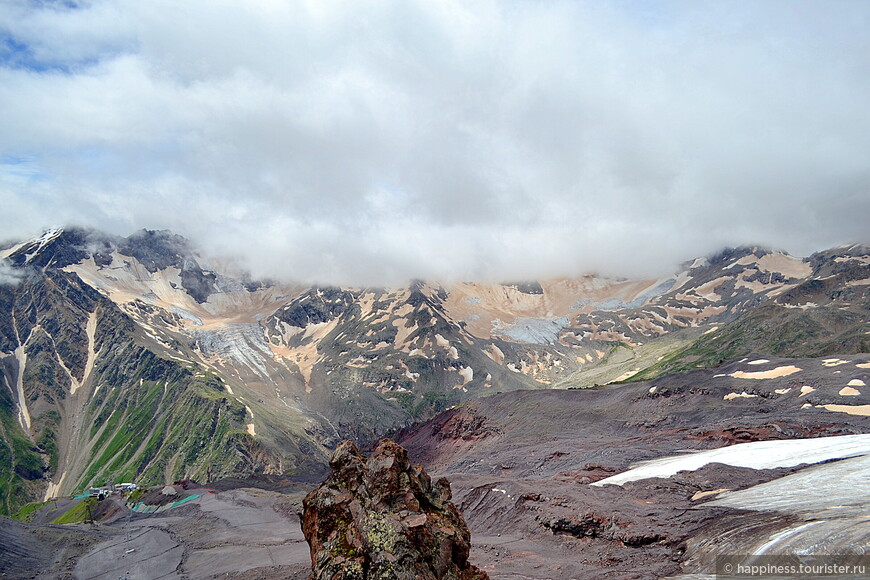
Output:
x=755 y=455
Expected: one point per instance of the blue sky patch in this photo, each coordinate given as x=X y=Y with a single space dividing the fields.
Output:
x=21 y=169
x=17 y=55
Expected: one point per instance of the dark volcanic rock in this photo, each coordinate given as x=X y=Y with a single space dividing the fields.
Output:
x=382 y=518
x=316 y=306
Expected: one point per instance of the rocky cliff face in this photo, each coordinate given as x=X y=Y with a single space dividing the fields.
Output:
x=382 y=518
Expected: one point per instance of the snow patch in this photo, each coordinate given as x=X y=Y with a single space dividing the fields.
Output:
x=790 y=266
x=783 y=371
x=186 y=314
x=494 y=353
x=533 y=330
x=90 y=330
x=787 y=533
x=702 y=494
x=804 y=306
x=862 y=410
x=833 y=362
x=755 y=455
x=23 y=412
x=40 y=242
x=251 y=424
x=742 y=395
x=627 y=375
x=244 y=344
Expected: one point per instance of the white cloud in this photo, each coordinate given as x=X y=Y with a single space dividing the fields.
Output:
x=376 y=141
x=10 y=276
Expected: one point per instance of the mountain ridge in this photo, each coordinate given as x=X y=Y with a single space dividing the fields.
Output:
x=293 y=369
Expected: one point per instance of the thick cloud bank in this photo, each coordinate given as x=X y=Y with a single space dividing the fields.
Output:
x=374 y=141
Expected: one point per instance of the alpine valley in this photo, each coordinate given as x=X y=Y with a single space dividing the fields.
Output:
x=139 y=360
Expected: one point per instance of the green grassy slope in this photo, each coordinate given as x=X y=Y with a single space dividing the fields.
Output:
x=139 y=417
x=771 y=329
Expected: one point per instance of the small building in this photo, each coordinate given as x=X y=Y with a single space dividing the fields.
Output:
x=99 y=492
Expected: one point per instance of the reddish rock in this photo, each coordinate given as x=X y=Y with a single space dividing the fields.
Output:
x=383 y=519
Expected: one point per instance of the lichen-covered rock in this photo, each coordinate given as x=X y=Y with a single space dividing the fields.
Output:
x=383 y=519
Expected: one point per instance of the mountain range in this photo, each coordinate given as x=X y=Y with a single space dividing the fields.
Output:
x=138 y=359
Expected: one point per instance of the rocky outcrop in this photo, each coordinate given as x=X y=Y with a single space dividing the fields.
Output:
x=384 y=519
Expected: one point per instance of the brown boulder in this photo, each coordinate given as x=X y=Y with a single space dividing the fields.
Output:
x=382 y=519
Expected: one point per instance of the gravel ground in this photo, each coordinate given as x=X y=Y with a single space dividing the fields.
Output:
x=241 y=533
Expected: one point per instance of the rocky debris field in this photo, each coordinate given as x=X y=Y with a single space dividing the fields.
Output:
x=529 y=471
x=523 y=465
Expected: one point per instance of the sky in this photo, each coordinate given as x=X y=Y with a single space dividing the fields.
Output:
x=375 y=141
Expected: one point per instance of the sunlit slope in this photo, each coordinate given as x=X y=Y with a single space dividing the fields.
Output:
x=825 y=314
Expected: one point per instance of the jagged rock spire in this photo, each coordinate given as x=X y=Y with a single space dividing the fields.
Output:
x=384 y=519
